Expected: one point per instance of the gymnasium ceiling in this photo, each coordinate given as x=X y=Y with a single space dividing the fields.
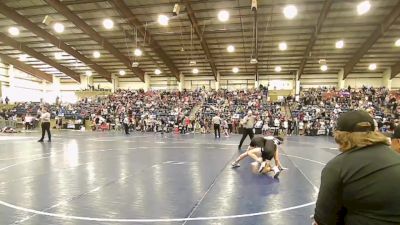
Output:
x=196 y=34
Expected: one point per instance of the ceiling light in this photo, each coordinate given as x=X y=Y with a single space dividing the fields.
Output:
x=122 y=72
x=58 y=55
x=163 y=20
x=96 y=54
x=278 y=69
x=324 y=68
x=340 y=44
x=282 y=46
x=397 y=43
x=58 y=27
x=138 y=52
x=23 y=57
x=14 y=31
x=230 y=48
x=363 y=7
x=235 y=70
x=88 y=73
x=108 y=24
x=290 y=11
x=223 y=15
x=195 y=70
x=372 y=66
x=157 y=71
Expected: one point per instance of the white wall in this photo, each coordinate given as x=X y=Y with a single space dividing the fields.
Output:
x=396 y=83
x=130 y=83
x=19 y=86
x=318 y=80
x=192 y=83
x=359 y=80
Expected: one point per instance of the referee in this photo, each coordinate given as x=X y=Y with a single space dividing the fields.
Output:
x=45 y=118
x=248 y=124
x=217 y=125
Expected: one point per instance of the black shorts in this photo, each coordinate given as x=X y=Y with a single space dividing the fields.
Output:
x=268 y=151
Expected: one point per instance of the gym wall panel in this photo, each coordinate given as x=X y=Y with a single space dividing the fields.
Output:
x=21 y=86
x=131 y=85
x=69 y=87
x=193 y=84
x=359 y=82
x=396 y=83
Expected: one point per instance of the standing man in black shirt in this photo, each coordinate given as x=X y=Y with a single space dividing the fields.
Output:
x=216 y=120
x=360 y=186
x=395 y=139
x=45 y=118
x=248 y=125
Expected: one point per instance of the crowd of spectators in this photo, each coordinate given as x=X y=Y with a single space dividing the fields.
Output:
x=318 y=109
x=314 y=112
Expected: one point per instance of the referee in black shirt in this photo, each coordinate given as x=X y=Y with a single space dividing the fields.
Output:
x=248 y=125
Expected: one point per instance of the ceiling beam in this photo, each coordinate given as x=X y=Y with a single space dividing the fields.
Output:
x=39 y=56
x=81 y=24
x=255 y=42
x=29 y=25
x=26 y=68
x=372 y=39
x=395 y=70
x=203 y=42
x=317 y=29
x=135 y=24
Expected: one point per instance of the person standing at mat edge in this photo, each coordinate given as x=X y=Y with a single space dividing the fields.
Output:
x=45 y=119
x=395 y=139
x=360 y=186
x=248 y=125
x=217 y=125
x=126 y=124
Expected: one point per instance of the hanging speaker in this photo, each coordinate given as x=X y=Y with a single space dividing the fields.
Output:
x=47 y=20
x=176 y=9
x=253 y=5
x=135 y=64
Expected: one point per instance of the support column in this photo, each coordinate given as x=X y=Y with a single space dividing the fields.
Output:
x=297 y=84
x=85 y=82
x=256 y=83
x=147 y=80
x=115 y=83
x=10 y=73
x=340 y=79
x=387 y=82
x=181 y=84
x=56 y=87
x=45 y=90
x=217 y=82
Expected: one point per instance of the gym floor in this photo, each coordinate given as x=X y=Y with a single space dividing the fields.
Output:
x=109 y=178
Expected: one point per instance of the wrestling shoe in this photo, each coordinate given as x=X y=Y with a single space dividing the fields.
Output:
x=235 y=165
x=262 y=167
x=282 y=168
x=276 y=171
